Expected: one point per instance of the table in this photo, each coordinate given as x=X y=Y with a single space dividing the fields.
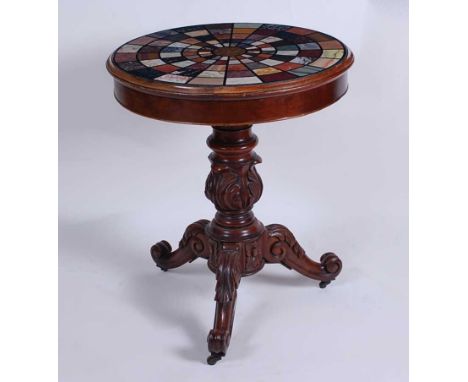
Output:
x=231 y=76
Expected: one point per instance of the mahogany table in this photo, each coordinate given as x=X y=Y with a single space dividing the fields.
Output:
x=231 y=76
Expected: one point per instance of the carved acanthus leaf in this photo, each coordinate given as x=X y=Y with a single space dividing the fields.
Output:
x=228 y=275
x=281 y=242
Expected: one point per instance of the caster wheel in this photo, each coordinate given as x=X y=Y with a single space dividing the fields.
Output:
x=323 y=284
x=213 y=358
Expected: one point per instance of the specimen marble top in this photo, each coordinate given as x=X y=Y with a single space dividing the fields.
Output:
x=227 y=55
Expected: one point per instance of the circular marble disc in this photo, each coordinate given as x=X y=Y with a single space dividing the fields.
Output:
x=229 y=54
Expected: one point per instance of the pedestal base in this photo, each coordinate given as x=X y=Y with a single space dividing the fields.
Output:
x=231 y=261
x=235 y=243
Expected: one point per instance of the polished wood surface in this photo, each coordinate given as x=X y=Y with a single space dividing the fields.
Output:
x=233 y=105
x=235 y=243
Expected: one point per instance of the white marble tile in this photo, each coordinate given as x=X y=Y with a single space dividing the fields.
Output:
x=173 y=78
x=170 y=54
x=287 y=53
x=129 y=48
x=271 y=62
x=301 y=60
x=183 y=64
x=151 y=63
x=243 y=80
x=271 y=39
x=179 y=45
x=212 y=74
x=309 y=46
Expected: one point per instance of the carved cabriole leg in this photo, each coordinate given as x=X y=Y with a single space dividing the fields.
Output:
x=283 y=248
x=233 y=185
x=194 y=243
x=228 y=276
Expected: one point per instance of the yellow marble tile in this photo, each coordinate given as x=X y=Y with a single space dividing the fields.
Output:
x=263 y=71
x=332 y=53
x=324 y=62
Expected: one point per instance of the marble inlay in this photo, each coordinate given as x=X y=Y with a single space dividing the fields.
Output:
x=229 y=54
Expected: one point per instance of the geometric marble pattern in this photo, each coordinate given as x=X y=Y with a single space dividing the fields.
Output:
x=229 y=54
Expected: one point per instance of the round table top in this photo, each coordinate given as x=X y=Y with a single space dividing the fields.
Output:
x=223 y=58
x=230 y=74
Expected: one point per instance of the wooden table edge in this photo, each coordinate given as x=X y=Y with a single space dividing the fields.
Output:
x=220 y=93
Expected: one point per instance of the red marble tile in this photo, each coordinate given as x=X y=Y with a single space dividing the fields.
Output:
x=318 y=37
x=143 y=40
x=236 y=67
x=240 y=73
x=331 y=45
x=166 y=68
x=148 y=56
x=124 y=57
x=299 y=31
x=288 y=66
x=277 y=77
x=310 y=53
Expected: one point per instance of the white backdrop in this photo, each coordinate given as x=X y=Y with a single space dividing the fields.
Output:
x=336 y=178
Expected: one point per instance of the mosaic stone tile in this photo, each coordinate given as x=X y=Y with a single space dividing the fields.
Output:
x=212 y=74
x=318 y=37
x=147 y=56
x=299 y=31
x=332 y=53
x=287 y=47
x=183 y=64
x=331 y=45
x=128 y=48
x=256 y=65
x=286 y=53
x=227 y=54
x=166 y=68
x=147 y=73
x=243 y=81
x=301 y=60
x=235 y=67
x=131 y=66
x=288 y=66
x=197 y=33
x=125 y=57
x=264 y=71
x=324 y=62
x=161 y=43
x=174 y=78
x=280 y=76
x=304 y=70
x=240 y=73
x=143 y=40
x=308 y=46
x=152 y=62
x=170 y=54
x=310 y=53
x=271 y=62
x=271 y=39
